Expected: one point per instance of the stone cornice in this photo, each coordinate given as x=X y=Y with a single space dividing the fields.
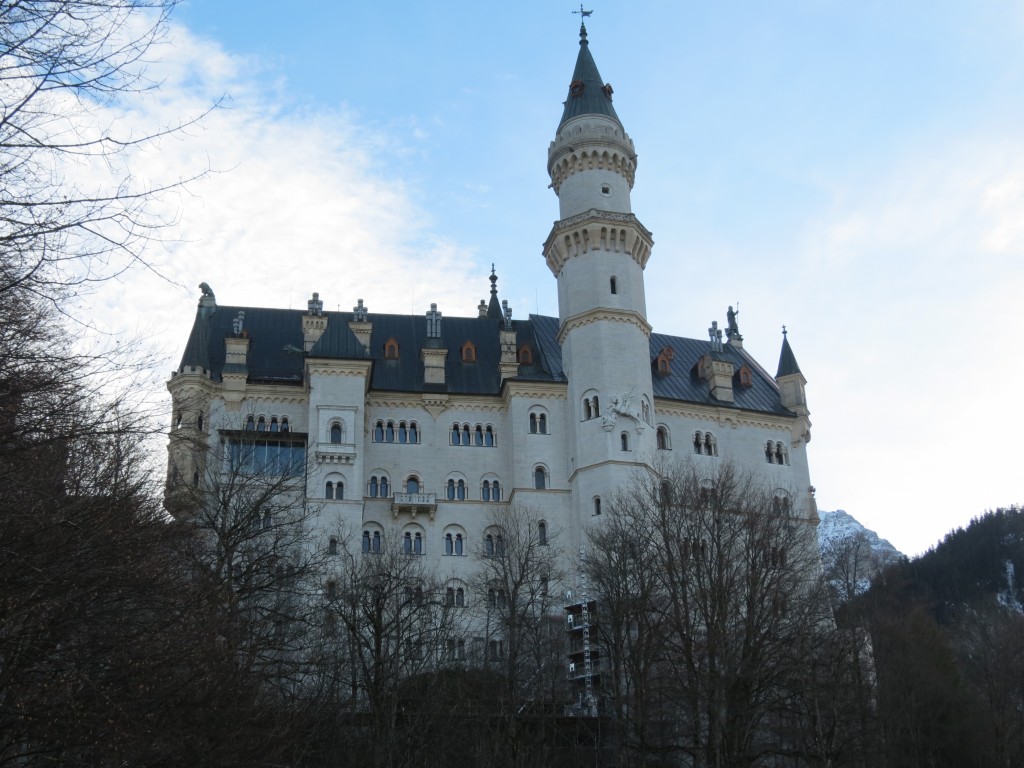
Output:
x=535 y=390
x=435 y=404
x=725 y=417
x=336 y=367
x=603 y=314
x=182 y=381
x=597 y=230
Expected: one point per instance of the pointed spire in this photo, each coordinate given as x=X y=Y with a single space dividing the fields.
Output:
x=588 y=93
x=494 y=306
x=787 y=360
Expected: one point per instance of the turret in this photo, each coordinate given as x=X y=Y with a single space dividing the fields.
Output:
x=791 y=390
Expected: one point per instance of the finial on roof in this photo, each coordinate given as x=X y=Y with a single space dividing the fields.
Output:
x=715 y=336
x=359 y=312
x=494 y=306
x=787 y=360
x=433 y=323
x=784 y=331
x=314 y=306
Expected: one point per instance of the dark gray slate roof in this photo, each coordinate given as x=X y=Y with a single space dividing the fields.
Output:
x=592 y=101
x=272 y=330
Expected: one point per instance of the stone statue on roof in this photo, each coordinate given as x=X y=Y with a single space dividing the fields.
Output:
x=732 y=330
x=206 y=289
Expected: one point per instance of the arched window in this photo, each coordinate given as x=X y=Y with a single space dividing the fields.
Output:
x=414 y=436
x=525 y=355
x=375 y=547
x=542 y=423
x=485 y=491
x=199 y=422
x=540 y=479
x=403 y=433
x=261 y=424
x=456 y=438
x=465 y=434
x=780 y=456
x=645 y=410
x=588 y=411
x=542 y=533
x=450 y=490
x=613 y=286
x=284 y=424
x=499 y=545
x=489 y=545
x=339 y=491
x=533 y=423
x=597 y=407
x=597 y=506
x=449 y=597
x=698 y=443
x=710 y=448
x=384 y=490
x=332 y=546
x=407 y=543
x=624 y=441
x=478 y=436
x=460 y=599
x=389 y=432
x=489 y=437
x=468 y=352
x=391 y=349
x=378 y=432
x=458 y=545
x=449 y=544
x=336 y=433
x=250 y=422
x=329 y=490
x=417 y=544
x=662 y=439
x=769 y=452
x=495 y=491
x=274 y=426
x=412 y=485
x=373 y=487
x=460 y=490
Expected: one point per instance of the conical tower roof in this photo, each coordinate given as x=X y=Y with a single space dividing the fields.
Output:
x=588 y=93
x=787 y=360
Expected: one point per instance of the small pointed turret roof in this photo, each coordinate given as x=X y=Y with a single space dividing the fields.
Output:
x=588 y=93
x=787 y=360
x=494 y=306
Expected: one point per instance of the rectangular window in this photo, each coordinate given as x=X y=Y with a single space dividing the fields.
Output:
x=266 y=457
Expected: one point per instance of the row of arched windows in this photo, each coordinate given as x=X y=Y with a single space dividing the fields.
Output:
x=260 y=424
x=776 y=453
x=334 y=490
x=591 y=407
x=479 y=436
x=413 y=542
x=704 y=444
x=389 y=432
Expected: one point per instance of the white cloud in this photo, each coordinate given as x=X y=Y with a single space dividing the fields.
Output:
x=917 y=286
x=297 y=202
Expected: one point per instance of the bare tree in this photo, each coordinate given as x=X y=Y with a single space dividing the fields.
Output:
x=520 y=621
x=61 y=62
x=722 y=578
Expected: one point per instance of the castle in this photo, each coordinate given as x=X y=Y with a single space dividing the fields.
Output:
x=413 y=433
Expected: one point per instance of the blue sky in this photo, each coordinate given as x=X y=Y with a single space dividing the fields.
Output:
x=853 y=170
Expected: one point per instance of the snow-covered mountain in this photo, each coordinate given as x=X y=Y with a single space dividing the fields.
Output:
x=850 y=553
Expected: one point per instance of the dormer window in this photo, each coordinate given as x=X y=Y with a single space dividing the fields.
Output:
x=469 y=352
x=663 y=362
x=391 y=349
x=745 y=376
x=525 y=355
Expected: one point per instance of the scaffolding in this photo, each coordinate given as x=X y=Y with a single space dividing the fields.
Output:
x=579 y=620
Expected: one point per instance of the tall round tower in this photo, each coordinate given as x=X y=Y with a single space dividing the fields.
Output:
x=598 y=250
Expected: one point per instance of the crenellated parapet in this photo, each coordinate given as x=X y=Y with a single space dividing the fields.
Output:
x=597 y=230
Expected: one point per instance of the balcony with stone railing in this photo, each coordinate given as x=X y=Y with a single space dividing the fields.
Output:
x=414 y=504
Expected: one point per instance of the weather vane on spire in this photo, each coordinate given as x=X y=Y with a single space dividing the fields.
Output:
x=583 y=14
